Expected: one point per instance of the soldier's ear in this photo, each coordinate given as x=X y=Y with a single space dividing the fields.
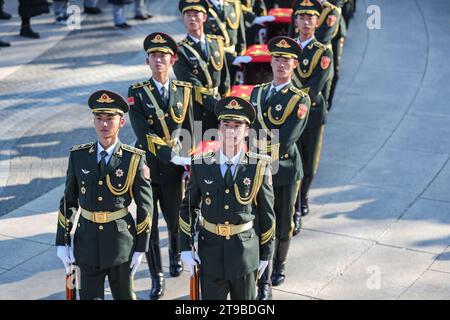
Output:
x=147 y=62
x=295 y=63
x=173 y=59
x=121 y=122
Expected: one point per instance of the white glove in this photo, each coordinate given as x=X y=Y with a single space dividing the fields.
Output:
x=186 y=257
x=181 y=161
x=262 y=267
x=262 y=20
x=67 y=260
x=241 y=59
x=135 y=262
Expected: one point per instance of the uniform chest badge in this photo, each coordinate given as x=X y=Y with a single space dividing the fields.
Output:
x=278 y=107
x=146 y=172
x=305 y=61
x=119 y=173
x=325 y=62
x=83 y=190
x=208 y=201
x=247 y=181
x=301 y=112
x=179 y=105
x=208 y=181
x=331 y=20
x=85 y=171
x=216 y=54
x=195 y=71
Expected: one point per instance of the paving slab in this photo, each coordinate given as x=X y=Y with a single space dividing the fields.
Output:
x=439 y=190
x=401 y=169
x=304 y=274
x=18 y=250
x=430 y=286
x=424 y=133
x=442 y=262
x=381 y=273
x=359 y=211
x=425 y=226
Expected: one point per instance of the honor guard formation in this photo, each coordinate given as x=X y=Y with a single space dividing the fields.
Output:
x=227 y=151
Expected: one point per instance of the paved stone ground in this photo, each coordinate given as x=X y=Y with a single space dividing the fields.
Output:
x=380 y=227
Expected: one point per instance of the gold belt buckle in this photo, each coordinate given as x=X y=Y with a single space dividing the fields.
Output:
x=100 y=217
x=224 y=230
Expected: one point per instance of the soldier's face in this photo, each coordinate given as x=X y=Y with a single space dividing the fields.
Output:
x=194 y=20
x=282 y=68
x=233 y=133
x=160 y=62
x=307 y=24
x=107 y=125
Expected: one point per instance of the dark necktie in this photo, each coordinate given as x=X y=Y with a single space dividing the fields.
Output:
x=272 y=92
x=164 y=95
x=202 y=48
x=102 y=163
x=228 y=175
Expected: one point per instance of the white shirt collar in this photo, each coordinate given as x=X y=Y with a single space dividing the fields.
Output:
x=223 y=158
x=304 y=43
x=110 y=150
x=159 y=85
x=202 y=39
x=279 y=87
x=217 y=3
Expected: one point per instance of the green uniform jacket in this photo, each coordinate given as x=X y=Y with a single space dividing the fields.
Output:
x=329 y=23
x=108 y=244
x=312 y=75
x=287 y=111
x=160 y=136
x=239 y=255
x=231 y=20
x=204 y=73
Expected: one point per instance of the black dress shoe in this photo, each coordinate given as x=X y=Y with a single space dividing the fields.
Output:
x=297 y=223
x=123 y=26
x=92 y=10
x=4 y=15
x=264 y=292
x=27 y=32
x=176 y=267
x=4 y=44
x=277 y=278
x=305 y=210
x=142 y=17
x=158 y=287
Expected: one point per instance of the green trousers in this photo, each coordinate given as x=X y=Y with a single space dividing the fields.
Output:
x=243 y=288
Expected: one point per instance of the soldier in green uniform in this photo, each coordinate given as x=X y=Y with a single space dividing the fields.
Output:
x=102 y=179
x=226 y=19
x=311 y=75
x=282 y=113
x=328 y=32
x=338 y=49
x=237 y=219
x=201 y=61
x=161 y=109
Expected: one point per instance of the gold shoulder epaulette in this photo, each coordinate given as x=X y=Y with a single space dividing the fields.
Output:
x=214 y=36
x=140 y=84
x=182 y=83
x=320 y=45
x=327 y=4
x=298 y=91
x=203 y=155
x=258 y=156
x=82 y=146
x=261 y=84
x=133 y=149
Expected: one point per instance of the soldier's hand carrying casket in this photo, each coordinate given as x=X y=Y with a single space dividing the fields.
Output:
x=241 y=59
x=262 y=20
